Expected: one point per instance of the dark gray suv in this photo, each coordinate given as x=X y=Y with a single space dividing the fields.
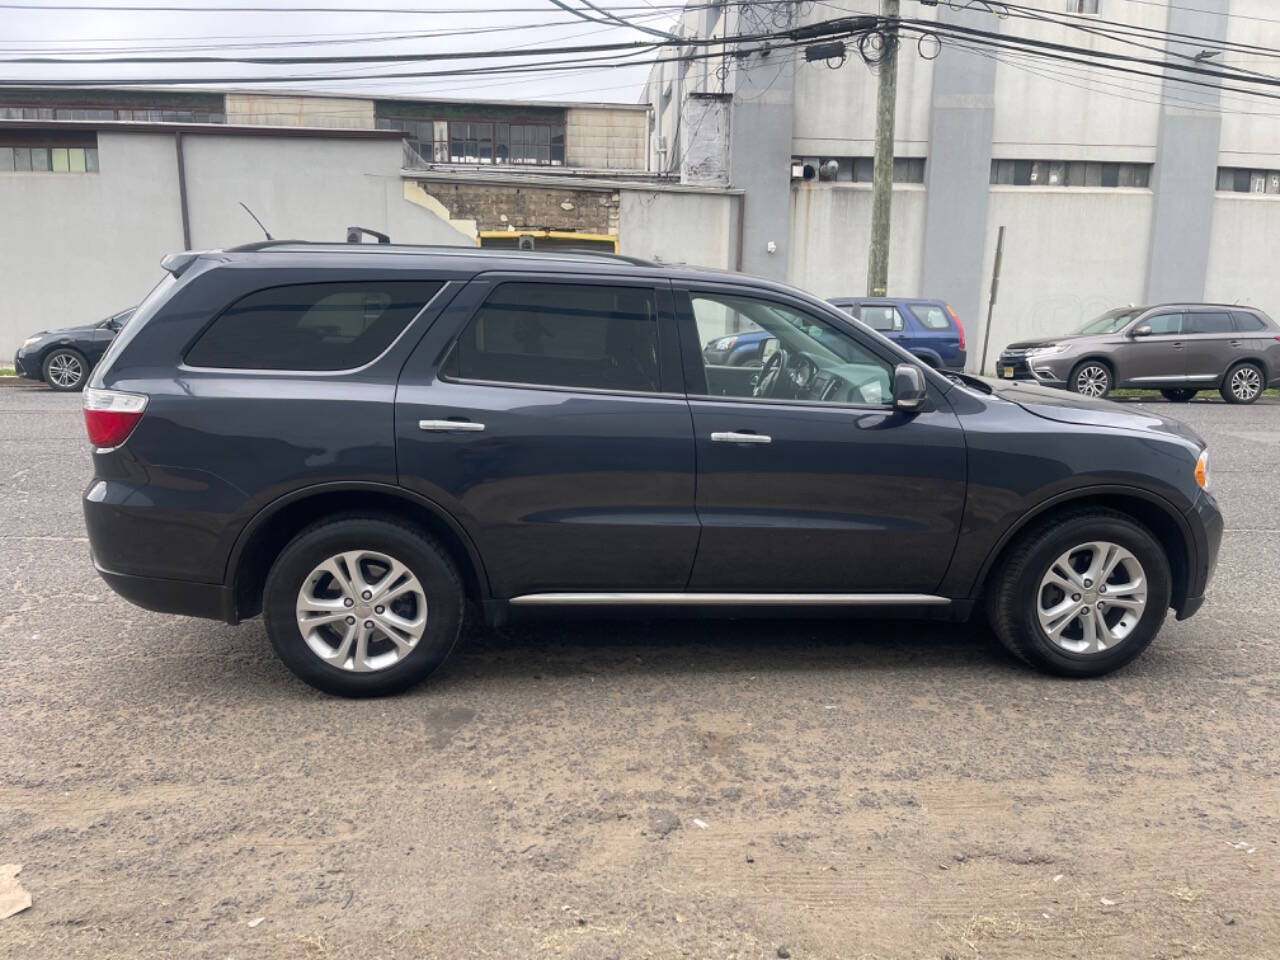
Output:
x=362 y=442
x=1178 y=349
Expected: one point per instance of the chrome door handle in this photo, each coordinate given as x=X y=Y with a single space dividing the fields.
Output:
x=735 y=437
x=450 y=426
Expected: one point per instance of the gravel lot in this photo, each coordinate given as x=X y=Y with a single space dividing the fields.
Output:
x=625 y=789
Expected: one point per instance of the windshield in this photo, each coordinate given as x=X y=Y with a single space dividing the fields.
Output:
x=1110 y=322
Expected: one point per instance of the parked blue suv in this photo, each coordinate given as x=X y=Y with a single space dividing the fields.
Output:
x=928 y=328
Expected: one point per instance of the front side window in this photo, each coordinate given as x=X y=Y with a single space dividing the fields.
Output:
x=311 y=326
x=1165 y=324
x=562 y=335
x=805 y=358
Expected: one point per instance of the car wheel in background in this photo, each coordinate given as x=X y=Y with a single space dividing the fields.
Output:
x=1092 y=378
x=1180 y=395
x=1243 y=383
x=360 y=606
x=66 y=370
x=1081 y=593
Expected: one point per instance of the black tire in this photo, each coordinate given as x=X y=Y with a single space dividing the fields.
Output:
x=1179 y=395
x=1013 y=591
x=1089 y=372
x=65 y=370
x=424 y=558
x=1243 y=383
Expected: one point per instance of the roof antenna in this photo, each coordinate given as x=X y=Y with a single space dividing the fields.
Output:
x=256 y=220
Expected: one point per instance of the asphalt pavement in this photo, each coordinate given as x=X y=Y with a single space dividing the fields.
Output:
x=710 y=788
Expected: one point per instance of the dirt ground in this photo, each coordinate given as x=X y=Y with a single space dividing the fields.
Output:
x=820 y=789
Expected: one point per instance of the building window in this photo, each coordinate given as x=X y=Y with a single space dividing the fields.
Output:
x=1082 y=6
x=37 y=157
x=1069 y=173
x=856 y=169
x=1243 y=180
x=124 y=114
x=482 y=141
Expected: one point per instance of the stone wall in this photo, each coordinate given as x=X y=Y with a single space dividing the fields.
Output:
x=503 y=207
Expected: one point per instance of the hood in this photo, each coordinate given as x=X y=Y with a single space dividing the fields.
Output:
x=1066 y=407
x=1050 y=341
x=62 y=331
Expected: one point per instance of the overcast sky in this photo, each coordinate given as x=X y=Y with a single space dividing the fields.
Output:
x=96 y=29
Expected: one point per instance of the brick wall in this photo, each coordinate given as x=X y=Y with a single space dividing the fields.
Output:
x=499 y=207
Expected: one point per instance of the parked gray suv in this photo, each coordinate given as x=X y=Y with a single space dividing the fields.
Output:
x=1178 y=349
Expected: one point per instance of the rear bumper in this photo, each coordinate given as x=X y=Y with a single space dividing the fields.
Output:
x=209 y=600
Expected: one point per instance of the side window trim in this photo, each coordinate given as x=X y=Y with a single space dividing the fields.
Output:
x=695 y=373
x=670 y=384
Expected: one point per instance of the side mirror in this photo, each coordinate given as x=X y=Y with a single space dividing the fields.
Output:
x=909 y=390
x=769 y=348
x=1141 y=330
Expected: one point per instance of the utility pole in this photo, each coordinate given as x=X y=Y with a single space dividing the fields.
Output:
x=882 y=176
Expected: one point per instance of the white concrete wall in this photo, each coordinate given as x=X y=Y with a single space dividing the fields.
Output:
x=605 y=139
x=302 y=189
x=1242 y=251
x=679 y=227
x=1251 y=125
x=78 y=247
x=831 y=232
x=1069 y=255
x=836 y=109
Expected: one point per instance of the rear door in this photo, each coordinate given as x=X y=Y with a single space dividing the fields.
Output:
x=808 y=480
x=1212 y=342
x=547 y=415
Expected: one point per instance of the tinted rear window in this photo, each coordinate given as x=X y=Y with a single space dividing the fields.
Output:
x=562 y=335
x=311 y=326
x=1248 y=321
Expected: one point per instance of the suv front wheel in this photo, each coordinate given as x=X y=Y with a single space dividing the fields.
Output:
x=1243 y=383
x=361 y=607
x=1092 y=378
x=1081 y=594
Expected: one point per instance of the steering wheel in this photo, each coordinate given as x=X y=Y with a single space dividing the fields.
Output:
x=771 y=374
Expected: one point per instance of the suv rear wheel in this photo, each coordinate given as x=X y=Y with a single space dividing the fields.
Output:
x=362 y=607
x=1081 y=594
x=65 y=370
x=1092 y=378
x=1243 y=383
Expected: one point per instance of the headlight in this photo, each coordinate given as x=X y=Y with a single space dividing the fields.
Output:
x=1202 y=469
x=1046 y=351
x=30 y=342
x=725 y=343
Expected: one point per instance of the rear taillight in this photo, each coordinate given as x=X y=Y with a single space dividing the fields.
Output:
x=111 y=415
x=959 y=325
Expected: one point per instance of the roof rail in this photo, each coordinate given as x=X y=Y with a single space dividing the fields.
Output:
x=446 y=248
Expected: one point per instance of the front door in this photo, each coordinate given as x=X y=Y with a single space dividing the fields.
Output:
x=808 y=480
x=547 y=418
x=1157 y=358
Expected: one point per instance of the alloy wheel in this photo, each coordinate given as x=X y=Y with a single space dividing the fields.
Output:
x=1092 y=597
x=361 y=611
x=1093 y=381
x=1246 y=383
x=65 y=370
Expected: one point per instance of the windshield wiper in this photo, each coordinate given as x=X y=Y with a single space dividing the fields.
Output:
x=969 y=380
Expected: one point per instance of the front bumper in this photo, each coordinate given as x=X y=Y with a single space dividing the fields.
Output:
x=1050 y=371
x=24 y=367
x=1205 y=520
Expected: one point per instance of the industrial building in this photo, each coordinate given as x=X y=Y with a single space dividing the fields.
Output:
x=1112 y=189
